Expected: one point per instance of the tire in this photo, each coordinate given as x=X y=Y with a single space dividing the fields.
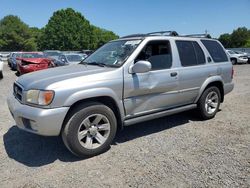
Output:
x=1 y=75
x=234 y=61
x=209 y=103
x=85 y=137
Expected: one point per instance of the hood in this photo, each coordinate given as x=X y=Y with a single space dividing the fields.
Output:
x=35 y=60
x=44 y=78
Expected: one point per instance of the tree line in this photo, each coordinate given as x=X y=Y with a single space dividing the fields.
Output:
x=65 y=30
x=239 y=38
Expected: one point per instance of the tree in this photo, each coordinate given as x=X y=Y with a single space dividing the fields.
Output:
x=66 y=30
x=225 y=39
x=100 y=36
x=15 y=35
x=247 y=45
x=239 y=37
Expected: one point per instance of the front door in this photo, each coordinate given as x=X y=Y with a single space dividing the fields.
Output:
x=155 y=90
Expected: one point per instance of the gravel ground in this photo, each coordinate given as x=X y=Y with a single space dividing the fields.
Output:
x=176 y=151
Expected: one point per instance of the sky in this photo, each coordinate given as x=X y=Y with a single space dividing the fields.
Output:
x=140 y=16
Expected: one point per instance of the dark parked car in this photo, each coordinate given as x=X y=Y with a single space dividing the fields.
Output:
x=12 y=60
x=70 y=59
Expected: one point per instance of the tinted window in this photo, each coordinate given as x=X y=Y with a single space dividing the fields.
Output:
x=190 y=53
x=199 y=53
x=158 y=53
x=216 y=51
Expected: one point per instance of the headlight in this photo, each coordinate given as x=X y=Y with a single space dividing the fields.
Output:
x=39 y=97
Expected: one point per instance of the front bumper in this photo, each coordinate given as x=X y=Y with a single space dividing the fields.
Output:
x=46 y=122
x=240 y=60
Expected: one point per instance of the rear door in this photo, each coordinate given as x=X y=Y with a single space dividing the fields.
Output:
x=193 y=70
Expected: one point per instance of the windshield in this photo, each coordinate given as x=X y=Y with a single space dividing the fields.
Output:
x=113 y=53
x=74 y=58
x=32 y=55
x=231 y=52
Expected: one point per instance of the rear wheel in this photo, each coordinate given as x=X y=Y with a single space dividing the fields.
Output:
x=1 y=74
x=90 y=129
x=209 y=103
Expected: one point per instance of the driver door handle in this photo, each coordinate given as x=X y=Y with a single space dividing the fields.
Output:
x=173 y=74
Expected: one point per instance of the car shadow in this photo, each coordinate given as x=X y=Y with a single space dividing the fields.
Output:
x=35 y=151
x=157 y=125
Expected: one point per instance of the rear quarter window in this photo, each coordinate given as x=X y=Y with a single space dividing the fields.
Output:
x=215 y=50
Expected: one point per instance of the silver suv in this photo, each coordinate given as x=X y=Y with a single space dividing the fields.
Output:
x=130 y=80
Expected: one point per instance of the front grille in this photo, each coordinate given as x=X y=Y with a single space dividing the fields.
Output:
x=17 y=91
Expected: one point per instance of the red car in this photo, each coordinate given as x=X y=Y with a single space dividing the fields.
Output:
x=32 y=61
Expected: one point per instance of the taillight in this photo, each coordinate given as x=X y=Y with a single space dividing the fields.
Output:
x=232 y=73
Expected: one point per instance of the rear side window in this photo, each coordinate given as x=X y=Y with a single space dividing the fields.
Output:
x=216 y=51
x=190 y=53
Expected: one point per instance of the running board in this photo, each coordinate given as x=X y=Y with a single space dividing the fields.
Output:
x=158 y=114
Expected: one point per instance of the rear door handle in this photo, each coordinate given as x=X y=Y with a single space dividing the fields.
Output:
x=173 y=74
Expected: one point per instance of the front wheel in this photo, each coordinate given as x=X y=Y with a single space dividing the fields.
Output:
x=234 y=61
x=90 y=129
x=209 y=103
x=1 y=74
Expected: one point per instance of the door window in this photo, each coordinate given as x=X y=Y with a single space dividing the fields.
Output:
x=158 y=53
x=190 y=53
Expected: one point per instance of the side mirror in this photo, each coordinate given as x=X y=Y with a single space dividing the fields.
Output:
x=140 y=67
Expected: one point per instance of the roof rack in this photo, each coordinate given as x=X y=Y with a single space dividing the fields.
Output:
x=170 y=33
x=133 y=35
x=198 y=35
x=158 y=33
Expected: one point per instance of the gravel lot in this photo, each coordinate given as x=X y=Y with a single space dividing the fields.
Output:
x=176 y=151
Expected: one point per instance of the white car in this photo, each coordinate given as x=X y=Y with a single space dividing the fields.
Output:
x=237 y=58
x=1 y=69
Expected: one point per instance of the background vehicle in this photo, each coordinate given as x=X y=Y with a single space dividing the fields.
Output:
x=12 y=60
x=53 y=54
x=130 y=80
x=87 y=52
x=69 y=59
x=1 y=68
x=237 y=57
x=5 y=56
x=32 y=61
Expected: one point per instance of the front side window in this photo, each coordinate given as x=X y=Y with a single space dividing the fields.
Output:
x=190 y=53
x=113 y=53
x=158 y=53
x=215 y=50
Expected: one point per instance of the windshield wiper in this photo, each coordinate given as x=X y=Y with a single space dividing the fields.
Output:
x=83 y=63
x=98 y=64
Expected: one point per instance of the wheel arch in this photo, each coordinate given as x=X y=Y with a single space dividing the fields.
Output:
x=106 y=100
x=215 y=81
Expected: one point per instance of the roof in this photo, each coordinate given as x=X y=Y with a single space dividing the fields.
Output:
x=166 y=33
